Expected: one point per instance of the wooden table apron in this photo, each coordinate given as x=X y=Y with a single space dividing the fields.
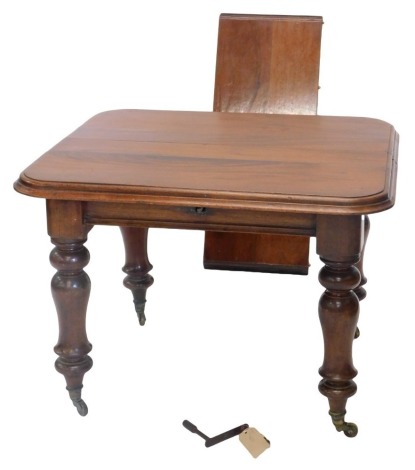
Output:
x=297 y=175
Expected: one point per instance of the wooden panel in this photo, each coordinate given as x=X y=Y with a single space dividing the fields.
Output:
x=257 y=252
x=265 y=64
x=268 y=64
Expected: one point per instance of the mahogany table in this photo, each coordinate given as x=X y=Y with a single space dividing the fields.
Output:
x=240 y=172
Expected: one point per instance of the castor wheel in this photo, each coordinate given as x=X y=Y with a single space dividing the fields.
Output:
x=78 y=403
x=141 y=319
x=139 y=308
x=349 y=429
x=356 y=333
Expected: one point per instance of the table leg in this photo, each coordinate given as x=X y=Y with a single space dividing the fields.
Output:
x=137 y=266
x=360 y=291
x=339 y=242
x=70 y=290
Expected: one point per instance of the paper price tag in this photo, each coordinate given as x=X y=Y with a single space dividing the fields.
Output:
x=254 y=441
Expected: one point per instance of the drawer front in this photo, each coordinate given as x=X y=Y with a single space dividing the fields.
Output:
x=201 y=218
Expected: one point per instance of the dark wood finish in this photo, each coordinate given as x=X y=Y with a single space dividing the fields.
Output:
x=137 y=266
x=256 y=252
x=70 y=291
x=138 y=169
x=265 y=64
x=189 y=217
x=339 y=244
x=360 y=290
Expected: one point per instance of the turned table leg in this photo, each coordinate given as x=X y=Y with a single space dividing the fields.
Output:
x=137 y=266
x=70 y=291
x=339 y=241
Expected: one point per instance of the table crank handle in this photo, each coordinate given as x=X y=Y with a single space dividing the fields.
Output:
x=211 y=441
x=226 y=435
x=192 y=428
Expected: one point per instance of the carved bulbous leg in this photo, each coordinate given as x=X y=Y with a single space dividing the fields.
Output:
x=70 y=290
x=339 y=246
x=137 y=267
x=339 y=310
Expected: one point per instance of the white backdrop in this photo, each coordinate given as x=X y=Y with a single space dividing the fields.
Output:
x=219 y=349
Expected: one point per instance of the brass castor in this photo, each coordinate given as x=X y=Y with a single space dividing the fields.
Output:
x=80 y=405
x=349 y=429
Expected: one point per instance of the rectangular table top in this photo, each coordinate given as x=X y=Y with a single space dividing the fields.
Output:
x=316 y=164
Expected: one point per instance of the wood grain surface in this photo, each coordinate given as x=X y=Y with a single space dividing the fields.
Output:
x=312 y=163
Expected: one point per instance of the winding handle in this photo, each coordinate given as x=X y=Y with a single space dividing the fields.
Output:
x=192 y=428
x=226 y=435
x=211 y=441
